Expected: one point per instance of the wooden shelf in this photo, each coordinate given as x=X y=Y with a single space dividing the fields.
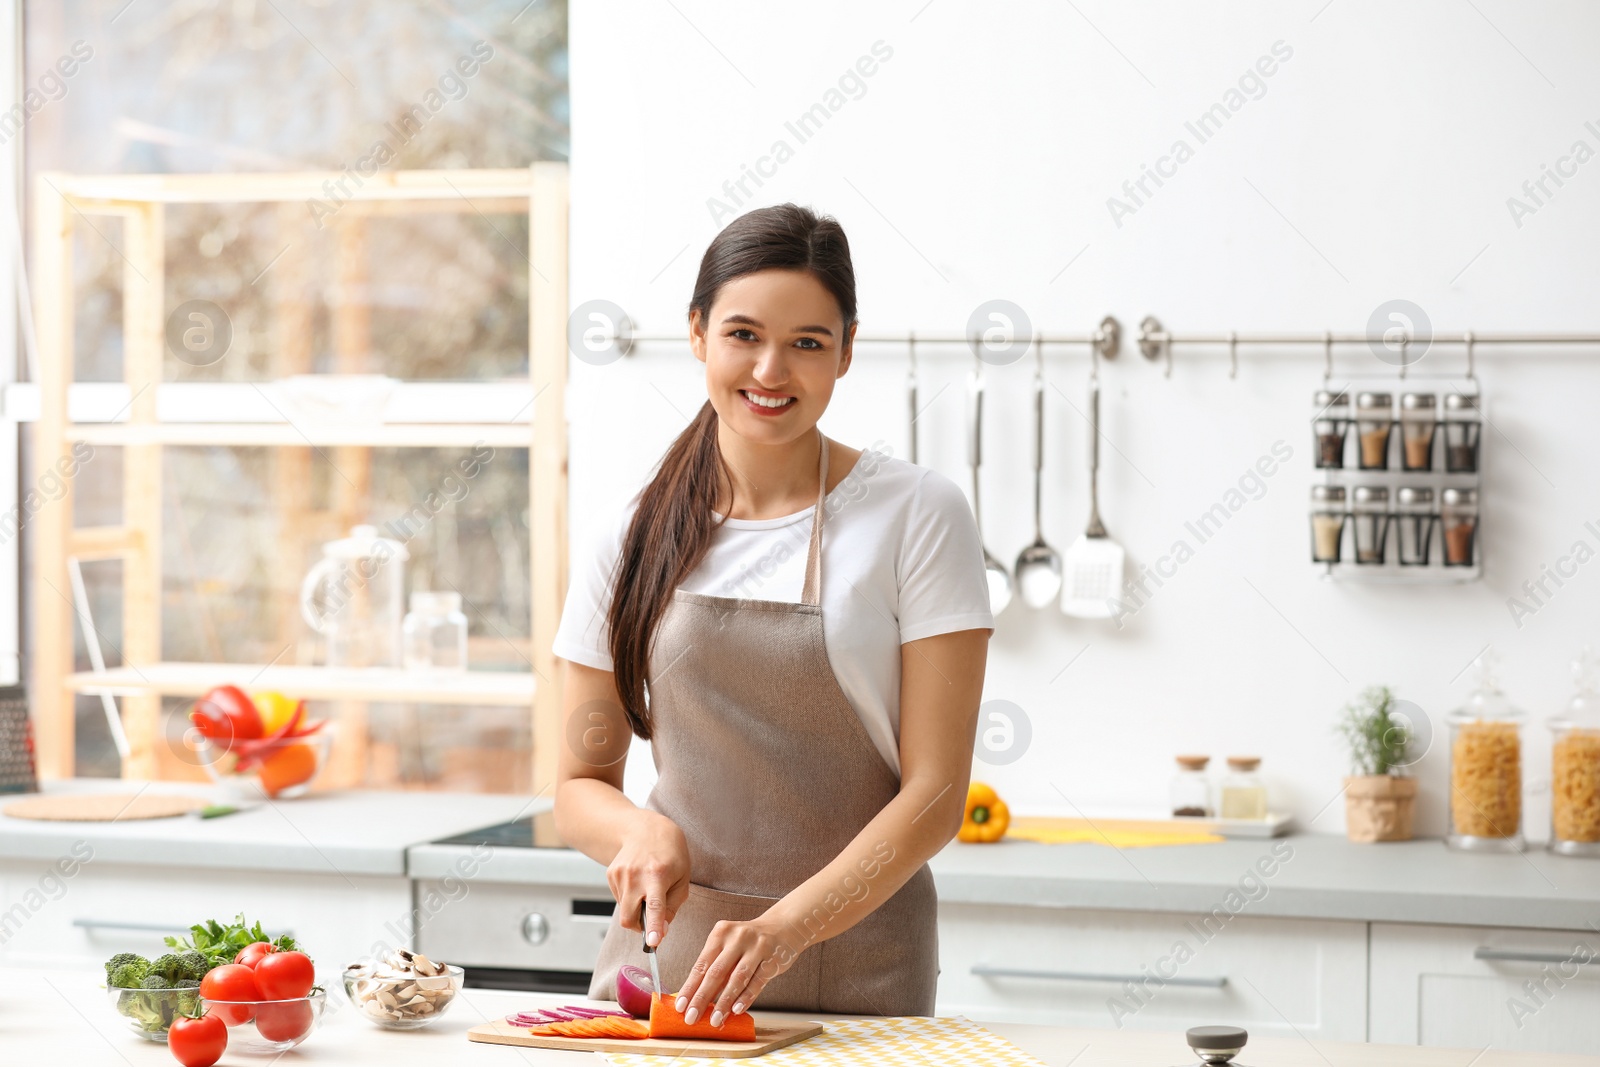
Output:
x=111 y=189
x=499 y=688
x=304 y=434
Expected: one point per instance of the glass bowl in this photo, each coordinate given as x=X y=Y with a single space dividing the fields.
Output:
x=286 y=770
x=150 y=1011
x=406 y=1003
x=268 y=1027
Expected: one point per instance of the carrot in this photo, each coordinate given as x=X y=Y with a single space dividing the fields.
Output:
x=602 y=1026
x=667 y=1021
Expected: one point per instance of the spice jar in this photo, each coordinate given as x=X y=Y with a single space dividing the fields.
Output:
x=1414 y=520
x=1485 y=770
x=1374 y=417
x=435 y=633
x=1459 y=517
x=1244 y=795
x=1416 y=430
x=1462 y=427
x=1327 y=522
x=1370 y=519
x=1575 y=768
x=1191 y=789
x=1330 y=422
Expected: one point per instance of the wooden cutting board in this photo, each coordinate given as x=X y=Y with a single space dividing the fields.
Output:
x=102 y=808
x=768 y=1037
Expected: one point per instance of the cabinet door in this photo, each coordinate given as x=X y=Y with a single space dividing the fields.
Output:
x=108 y=908
x=1153 y=971
x=1472 y=987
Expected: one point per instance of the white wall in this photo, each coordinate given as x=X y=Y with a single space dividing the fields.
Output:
x=978 y=163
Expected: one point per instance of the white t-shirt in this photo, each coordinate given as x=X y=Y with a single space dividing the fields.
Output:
x=901 y=560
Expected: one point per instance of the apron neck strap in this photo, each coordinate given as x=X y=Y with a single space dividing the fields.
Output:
x=812 y=591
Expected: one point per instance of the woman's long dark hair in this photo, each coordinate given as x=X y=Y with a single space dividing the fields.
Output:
x=672 y=529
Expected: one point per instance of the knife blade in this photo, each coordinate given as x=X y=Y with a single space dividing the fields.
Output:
x=655 y=968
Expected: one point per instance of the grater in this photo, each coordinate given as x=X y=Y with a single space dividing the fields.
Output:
x=17 y=773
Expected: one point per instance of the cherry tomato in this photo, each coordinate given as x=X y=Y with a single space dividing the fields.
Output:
x=197 y=1042
x=284 y=976
x=252 y=953
x=284 y=1022
x=231 y=982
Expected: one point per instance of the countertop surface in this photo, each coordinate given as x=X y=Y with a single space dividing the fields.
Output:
x=352 y=832
x=1315 y=876
x=63 y=1017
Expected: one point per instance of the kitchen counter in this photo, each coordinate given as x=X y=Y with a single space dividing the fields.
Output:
x=63 y=1017
x=1314 y=876
x=347 y=832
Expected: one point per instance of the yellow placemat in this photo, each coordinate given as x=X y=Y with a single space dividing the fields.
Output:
x=911 y=1041
x=1105 y=832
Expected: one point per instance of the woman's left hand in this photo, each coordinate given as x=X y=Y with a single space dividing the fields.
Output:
x=738 y=961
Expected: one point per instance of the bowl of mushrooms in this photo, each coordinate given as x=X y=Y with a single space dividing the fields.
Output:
x=403 y=990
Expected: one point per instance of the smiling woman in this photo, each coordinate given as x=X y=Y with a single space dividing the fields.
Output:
x=812 y=748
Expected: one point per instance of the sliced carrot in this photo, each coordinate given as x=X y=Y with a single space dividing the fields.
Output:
x=667 y=1021
x=601 y=1026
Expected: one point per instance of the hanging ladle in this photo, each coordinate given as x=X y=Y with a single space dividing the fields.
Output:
x=1038 y=566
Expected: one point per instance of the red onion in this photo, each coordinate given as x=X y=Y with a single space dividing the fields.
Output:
x=634 y=989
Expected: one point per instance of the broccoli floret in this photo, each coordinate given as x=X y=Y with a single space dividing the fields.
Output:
x=189 y=996
x=155 y=981
x=186 y=983
x=195 y=965
x=169 y=966
x=130 y=975
x=122 y=959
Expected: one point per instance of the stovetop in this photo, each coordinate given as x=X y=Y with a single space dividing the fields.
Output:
x=530 y=831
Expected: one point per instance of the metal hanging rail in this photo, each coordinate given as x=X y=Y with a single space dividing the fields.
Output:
x=1156 y=342
x=1106 y=340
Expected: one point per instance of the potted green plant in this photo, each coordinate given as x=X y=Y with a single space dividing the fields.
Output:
x=1379 y=801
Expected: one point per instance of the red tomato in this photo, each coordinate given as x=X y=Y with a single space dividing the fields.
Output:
x=284 y=976
x=252 y=953
x=197 y=1042
x=225 y=715
x=284 y=1022
x=231 y=982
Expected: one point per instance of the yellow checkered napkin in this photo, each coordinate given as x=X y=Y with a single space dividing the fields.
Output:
x=910 y=1041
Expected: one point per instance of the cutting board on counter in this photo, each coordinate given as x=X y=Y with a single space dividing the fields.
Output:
x=768 y=1038
x=1132 y=833
x=96 y=807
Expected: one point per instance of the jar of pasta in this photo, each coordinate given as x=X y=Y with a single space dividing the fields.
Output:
x=1486 y=770
x=1575 y=768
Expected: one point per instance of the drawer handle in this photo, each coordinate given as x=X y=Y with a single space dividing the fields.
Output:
x=984 y=970
x=1483 y=952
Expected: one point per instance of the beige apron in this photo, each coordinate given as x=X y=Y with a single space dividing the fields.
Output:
x=768 y=771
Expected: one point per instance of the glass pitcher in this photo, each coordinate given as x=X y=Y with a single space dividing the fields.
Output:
x=353 y=597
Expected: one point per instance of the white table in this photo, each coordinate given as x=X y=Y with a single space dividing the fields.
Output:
x=63 y=1017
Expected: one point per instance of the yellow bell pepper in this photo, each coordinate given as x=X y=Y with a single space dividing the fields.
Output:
x=275 y=709
x=986 y=816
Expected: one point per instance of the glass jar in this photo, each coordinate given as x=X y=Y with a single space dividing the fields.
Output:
x=1370 y=519
x=435 y=633
x=1191 y=789
x=1330 y=421
x=1485 y=805
x=1327 y=522
x=1244 y=795
x=1374 y=418
x=1458 y=515
x=1414 y=520
x=1463 y=426
x=1416 y=430
x=1575 y=768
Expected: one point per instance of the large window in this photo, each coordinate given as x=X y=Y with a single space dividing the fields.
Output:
x=311 y=287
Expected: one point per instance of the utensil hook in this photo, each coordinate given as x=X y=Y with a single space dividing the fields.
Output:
x=1233 y=355
x=1472 y=374
x=1327 y=355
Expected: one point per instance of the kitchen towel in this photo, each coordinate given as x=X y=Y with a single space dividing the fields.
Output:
x=904 y=1041
x=1072 y=831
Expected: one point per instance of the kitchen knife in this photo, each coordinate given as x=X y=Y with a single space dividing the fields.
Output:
x=655 y=968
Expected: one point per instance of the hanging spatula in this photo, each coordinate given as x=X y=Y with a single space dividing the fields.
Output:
x=1093 y=565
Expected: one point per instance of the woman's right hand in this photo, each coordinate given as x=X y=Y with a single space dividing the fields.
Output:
x=652 y=866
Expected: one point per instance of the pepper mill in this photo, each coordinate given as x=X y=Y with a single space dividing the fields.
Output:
x=1217 y=1044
